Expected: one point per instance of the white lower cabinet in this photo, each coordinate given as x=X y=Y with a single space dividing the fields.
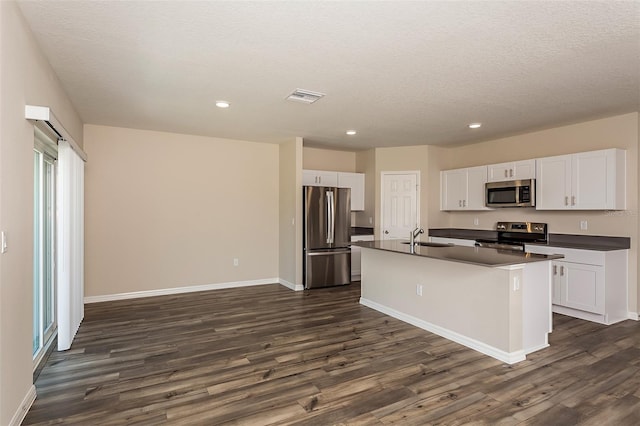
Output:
x=579 y=286
x=355 y=255
x=589 y=284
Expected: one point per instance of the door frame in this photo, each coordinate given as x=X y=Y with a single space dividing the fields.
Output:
x=418 y=187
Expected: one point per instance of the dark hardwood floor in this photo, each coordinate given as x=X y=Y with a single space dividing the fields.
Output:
x=267 y=355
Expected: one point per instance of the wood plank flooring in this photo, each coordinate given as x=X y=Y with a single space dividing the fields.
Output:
x=267 y=355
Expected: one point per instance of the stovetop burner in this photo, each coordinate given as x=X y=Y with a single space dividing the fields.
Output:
x=514 y=235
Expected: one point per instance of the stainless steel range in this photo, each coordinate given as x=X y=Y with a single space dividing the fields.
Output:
x=514 y=235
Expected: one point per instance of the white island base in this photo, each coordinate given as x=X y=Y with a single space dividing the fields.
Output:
x=503 y=312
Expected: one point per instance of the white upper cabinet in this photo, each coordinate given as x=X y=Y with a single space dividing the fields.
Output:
x=592 y=180
x=463 y=189
x=319 y=178
x=355 y=181
x=516 y=170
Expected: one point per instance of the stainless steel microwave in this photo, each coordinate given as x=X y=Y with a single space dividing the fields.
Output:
x=513 y=193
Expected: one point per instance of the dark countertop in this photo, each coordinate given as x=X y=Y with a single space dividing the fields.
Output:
x=582 y=242
x=361 y=230
x=480 y=256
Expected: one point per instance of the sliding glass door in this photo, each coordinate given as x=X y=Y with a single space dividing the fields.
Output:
x=44 y=283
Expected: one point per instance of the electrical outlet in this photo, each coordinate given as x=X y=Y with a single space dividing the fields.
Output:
x=516 y=283
x=370 y=220
x=419 y=289
x=476 y=221
x=583 y=225
x=235 y=261
x=4 y=242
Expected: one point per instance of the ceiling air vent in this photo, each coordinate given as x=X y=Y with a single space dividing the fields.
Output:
x=305 y=96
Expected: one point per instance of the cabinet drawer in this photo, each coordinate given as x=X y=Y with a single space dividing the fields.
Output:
x=588 y=257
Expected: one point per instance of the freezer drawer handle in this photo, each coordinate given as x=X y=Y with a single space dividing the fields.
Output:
x=329 y=253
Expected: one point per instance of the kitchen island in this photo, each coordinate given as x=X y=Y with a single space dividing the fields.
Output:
x=494 y=301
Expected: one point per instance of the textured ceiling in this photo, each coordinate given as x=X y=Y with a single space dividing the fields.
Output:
x=400 y=73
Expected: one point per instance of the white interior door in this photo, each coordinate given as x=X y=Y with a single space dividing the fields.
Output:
x=399 y=204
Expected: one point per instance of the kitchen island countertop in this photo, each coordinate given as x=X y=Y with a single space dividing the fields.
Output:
x=481 y=256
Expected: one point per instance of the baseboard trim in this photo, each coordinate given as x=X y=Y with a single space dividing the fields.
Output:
x=633 y=316
x=290 y=285
x=178 y=290
x=24 y=407
x=500 y=355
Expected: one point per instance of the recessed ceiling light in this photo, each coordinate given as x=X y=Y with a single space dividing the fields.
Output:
x=222 y=104
x=351 y=132
x=475 y=125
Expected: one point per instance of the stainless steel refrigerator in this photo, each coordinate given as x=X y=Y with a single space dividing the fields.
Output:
x=327 y=236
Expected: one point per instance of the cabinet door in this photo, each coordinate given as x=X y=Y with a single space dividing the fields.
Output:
x=355 y=181
x=319 y=178
x=499 y=172
x=453 y=189
x=553 y=184
x=476 y=180
x=525 y=169
x=309 y=178
x=590 y=180
x=582 y=286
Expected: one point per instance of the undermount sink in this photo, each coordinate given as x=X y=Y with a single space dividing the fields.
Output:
x=425 y=244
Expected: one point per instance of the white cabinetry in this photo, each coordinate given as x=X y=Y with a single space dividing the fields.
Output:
x=463 y=189
x=356 y=255
x=355 y=181
x=319 y=178
x=592 y=180
x=587 y=284
x=515 y=170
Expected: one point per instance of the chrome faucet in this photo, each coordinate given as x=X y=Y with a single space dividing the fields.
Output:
x=414 y=234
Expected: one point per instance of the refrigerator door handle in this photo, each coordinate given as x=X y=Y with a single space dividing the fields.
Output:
x=331 y=213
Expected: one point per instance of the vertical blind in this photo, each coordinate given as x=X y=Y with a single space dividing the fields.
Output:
x=70 y=259
x=70 y=226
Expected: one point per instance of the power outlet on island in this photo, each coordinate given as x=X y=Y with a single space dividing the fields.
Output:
x=236 y=262
x=419 y=289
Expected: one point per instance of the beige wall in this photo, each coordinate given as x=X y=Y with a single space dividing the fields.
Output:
x=25 y=78
x=613 y=132
x=290 y=246
x=408 y=158
x=327 y=159
x=167 y=210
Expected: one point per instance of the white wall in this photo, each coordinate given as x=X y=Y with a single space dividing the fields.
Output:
x=25 y=78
